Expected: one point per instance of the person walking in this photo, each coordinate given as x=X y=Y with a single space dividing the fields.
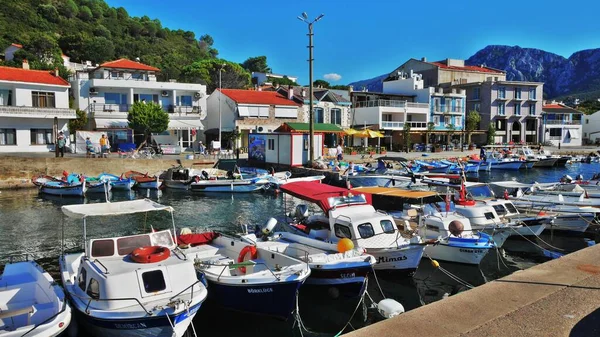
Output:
x=61 y=142
x=339 y=152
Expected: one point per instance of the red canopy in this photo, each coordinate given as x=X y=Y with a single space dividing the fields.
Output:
x=314 y=192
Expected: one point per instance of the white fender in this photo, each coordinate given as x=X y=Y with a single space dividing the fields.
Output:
x=269 y=226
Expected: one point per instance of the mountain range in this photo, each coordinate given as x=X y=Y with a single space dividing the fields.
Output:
x=577 y=76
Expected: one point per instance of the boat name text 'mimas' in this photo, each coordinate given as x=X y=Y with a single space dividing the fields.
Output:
x=260 y=291
x=384 y=259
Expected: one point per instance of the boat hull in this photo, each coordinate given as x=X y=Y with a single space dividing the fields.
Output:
x=530 y=229
x=99 y=188
x=122 y=185
x=498 y=235
x=138 y=327
x=151 y=185
x=507 y=165
x=75 y=191
x=549 y=162
x=457 y=254
x=226 y=187
x=349 y=281
x=571 y=222
x=177 y=185
x=402 y=259
x=274 y=299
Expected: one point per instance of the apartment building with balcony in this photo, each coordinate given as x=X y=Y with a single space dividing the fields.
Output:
x=106 y=93
x=248 y=111
x=562 y=125
x=34 y=107
x=513 y=107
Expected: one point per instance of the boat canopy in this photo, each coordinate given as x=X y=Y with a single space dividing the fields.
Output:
x=320 y=194
x=516 y=184
x=396 y=192
x=114 y=208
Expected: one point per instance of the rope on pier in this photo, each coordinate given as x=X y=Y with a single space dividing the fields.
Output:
x=533 y=243
x=449 y=274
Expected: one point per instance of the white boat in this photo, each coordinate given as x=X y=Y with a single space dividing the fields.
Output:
x=137 y=285
x=31 y=303
x=245 y=277
x=346 y=215
x=180 y=178
x=230 y=185
x=345 y=271
x=567 y=218
x=278 y=180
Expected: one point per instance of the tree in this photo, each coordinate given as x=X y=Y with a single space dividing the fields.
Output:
x=451 y=128
x=99 y=49
x=69 y=9
x=406 y=136
x=44 y=47
x=321 y=83
x=49 y=12
x=339 y=87
x=430 y=128
x=147 y=118
x=491 y=134
x=100 y=30
x=473 y=119
x=207 y=39
x=207 y=71
x=256 y=64
x=281 y=81
x=78 y=124
x=85 y=14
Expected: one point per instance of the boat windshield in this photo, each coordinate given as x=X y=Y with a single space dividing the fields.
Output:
x=480 y=192
x=347 y=200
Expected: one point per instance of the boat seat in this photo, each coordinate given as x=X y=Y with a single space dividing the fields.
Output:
x=18 y=316
x=42 y=312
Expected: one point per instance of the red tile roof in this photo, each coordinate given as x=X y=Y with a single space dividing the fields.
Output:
x=30 y=76
x=17 y=45
x=560 y=107
x=128 y=64
x=553 y=106
x=258 y=97
x=467 y=68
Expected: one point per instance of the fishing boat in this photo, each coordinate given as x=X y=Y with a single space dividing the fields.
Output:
x=72 y=185
x=118 y=183
x=243 y=276
x=143 y=180
x=136 y=285
x=180 y=178
x=566 y=218
x=344 y=270
x=229 y=185
x=32 y=304
x=348 y=215
x=278 y=181
x=98 y=186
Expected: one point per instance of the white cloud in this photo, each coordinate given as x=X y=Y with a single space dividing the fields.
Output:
x=332 y=77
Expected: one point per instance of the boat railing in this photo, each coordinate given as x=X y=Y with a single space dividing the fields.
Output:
x=184 y=290
x=306 y=254
x=178 y=250
x=342 y=216
x=12 y=257
x=90 y=300
x=100 y=263
x=64 y=307
x=233 y=265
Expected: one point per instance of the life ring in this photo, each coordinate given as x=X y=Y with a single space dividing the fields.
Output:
x=150 y=254
x=253 y=256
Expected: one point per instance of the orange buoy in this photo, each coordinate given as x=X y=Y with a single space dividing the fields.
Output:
x=253 y=256
x=150 y=254
x=345 y=245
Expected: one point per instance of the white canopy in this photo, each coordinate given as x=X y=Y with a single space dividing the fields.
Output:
x=516 y=184
x=177 y=124
x=102 y=123
x=114 y=208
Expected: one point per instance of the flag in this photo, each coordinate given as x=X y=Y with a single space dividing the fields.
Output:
x=447 y=202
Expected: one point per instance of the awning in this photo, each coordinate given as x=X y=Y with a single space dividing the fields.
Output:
x=114 y=208
x=111 y=123
x=574 y=134
x=185 y=124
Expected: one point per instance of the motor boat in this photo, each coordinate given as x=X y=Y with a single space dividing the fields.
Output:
x=143 y=180
x=71 y=185
x=31 y=303
x=134 y=285
x=117 y=183
x=245 y=277
x=345 y=271
x=346 y=215
x=180 y=178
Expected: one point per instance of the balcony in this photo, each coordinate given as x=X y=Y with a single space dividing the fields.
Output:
x=400 y=125
x=31 y=112
x=445 y=109
x=502 y=98
x=134 y=83
x=563 y=122
x=391 y=103
x=121 y=110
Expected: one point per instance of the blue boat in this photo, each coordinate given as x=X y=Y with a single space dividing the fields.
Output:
x=95 y=186
x=433 y=167
x=506 y=165
x=117 y=183
x=71 y=186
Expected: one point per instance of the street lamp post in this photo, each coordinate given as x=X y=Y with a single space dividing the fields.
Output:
x=304 y=18
x=220 y=93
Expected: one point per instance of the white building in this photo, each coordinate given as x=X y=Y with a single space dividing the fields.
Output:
x=107 y=92
x=591 y=127
x=34 y=106
x=561 y=125
x=262 y=78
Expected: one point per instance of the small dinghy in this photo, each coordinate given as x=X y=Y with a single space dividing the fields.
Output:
x=118 y=183
x=31 y=303
x=71 y=185
x=143 y=180
x=244 y=277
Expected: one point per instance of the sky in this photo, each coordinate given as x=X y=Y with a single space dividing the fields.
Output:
x=357 y=40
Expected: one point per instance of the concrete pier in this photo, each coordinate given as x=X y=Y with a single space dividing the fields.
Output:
x=557 y=298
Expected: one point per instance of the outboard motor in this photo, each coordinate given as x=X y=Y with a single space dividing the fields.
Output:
x=204 y=175
x=301 y=212
x=566 y=179
x=268 y=228
x=579 y=177
x=229 y=174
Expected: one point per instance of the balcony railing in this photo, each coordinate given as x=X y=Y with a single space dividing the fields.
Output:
x=400 y=125
x=31 y=111
x=562 y=122
x=448 y=109
x=124 y=108
x=390 y=103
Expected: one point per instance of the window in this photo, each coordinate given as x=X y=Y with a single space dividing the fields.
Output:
x=128 y=244
x=458 y=121
x=387 y=226
x=103 y=248
x=517 y=93
x=271 y=145
x=532 y=93
x=476 y=93
x=336 y=116
x=41 y=99
x=489 y=215
x=502 y=92
x=555 y=132
x=81 y=279
x=477 y=107
x=499 y=209
x=532 y=109
x=8 y=136
x=115 y=98
x=587 y=121
x=116 y=74
x=93 y=289
x=501 y=125
x=184 y=101
x=501 y=109
x=318 y=115
x=342 y=231
x=41 y=136
x=5 y=97
x=366 y=230
x=510 y=207
x=517 y=109
x=137 y=76
x=145 y=98
x=154 y=281
x=447 y=120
